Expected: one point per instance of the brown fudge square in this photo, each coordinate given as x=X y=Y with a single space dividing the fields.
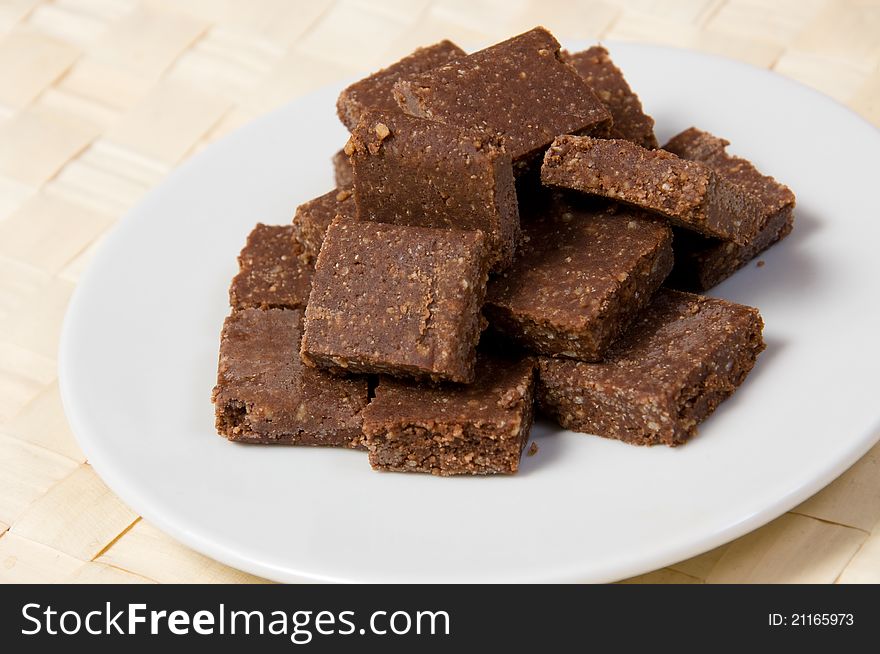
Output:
x=630 y=122
x=312 y=218
x=454 y=429
x=581 y=275
x=688 y=193
x=342 y=171
x=403 y=301
x=273 y=271
x=374 y=92
x=518 y=90
x=411 y=171
x=682 y=357
x=264 y=393
x=700 y=262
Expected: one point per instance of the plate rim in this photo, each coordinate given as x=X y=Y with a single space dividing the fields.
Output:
x=142 y=505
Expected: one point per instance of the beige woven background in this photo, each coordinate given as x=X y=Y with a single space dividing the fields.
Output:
x=100 y=99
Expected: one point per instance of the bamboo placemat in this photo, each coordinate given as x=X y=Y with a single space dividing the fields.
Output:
x=100 y=99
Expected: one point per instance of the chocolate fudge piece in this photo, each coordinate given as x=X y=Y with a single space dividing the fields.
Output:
x=453 y=429
x=274 y=273
x=411 y=171
x=374 y=92
x=700 y=262
x=681 y=358
x=399 y=300
x=581 y=275
x=630 y=122
x=696 y=145
x=518 y=90
x=264 y=393
x=688 y=193
x=342 y=172
x=312 y=218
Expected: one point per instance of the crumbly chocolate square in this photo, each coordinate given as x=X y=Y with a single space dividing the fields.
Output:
x=312 y=218
x=700 y=262
x=454 y=429
x=273 y=271
x=374 y=92
x=519 y=91
x=682 y=357
x=582 y=273
x=630 y=122
x=696 y=145
x=342 y=171
x=264 y=393
x=688 y=193
x=398 y=300
x=411 y=171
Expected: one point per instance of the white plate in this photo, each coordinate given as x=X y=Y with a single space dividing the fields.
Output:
x=139 y=352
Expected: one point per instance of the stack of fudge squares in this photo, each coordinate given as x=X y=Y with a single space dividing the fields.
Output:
x=505 y=235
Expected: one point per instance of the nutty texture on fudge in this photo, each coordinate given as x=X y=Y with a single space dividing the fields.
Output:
x=273 y=271
x=630 y=122
x=312 y=218
x=679 y=360
x=688 y=193
x=519 y=91
x=374 y=92
x=397 y=300
x=453 y=429
x=411 y=171
x=697 y=145
x=582 y=273
x=264 y=394
x=701 y=262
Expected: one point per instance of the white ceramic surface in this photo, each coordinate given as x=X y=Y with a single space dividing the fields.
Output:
x=139 y=351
